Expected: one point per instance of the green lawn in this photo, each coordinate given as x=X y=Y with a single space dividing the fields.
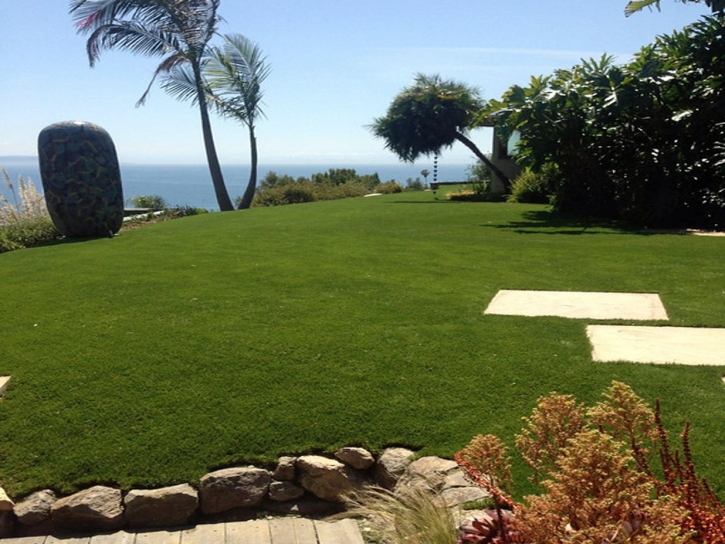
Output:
x=177 y=348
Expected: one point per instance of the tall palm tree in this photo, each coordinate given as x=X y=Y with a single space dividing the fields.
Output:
x=177 y=30
x=431 y=115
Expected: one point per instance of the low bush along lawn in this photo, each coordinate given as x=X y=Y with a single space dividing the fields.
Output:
x=153 y=357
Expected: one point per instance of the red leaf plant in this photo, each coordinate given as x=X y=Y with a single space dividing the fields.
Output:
x=594 y=467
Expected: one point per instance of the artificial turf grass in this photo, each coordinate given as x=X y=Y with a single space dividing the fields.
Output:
x=188 y=345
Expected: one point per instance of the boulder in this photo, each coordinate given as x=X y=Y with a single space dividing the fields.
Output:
x=456 y=496
x=233 y=488
x=285 y=491
x=35 y=508
x=429 y=471
x=6 y=503
x=307 y=506
x=165 y=507
x=285 y=469
x=391 y=466
x=358 y=458
x=327 y=479
x=7 y=524
x=98 y=507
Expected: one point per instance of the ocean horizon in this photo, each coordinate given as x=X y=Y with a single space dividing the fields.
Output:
x=190 y=184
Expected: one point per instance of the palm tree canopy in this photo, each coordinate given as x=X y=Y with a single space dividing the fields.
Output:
x=235 y=74
x=178 y=30
x=428 y=116
x=233 y=77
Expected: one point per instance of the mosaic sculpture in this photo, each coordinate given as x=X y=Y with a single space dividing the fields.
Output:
x=81 y=179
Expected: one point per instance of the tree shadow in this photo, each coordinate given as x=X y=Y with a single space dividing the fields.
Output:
x=550 y=222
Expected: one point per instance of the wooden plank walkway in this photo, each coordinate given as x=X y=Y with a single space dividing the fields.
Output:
x=258 y=531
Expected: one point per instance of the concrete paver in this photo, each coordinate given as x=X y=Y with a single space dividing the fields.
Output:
x=681 y=345
x=121 y=537
x=345 y=530
x=248 y=532
x=292 y=531
x=578 y=305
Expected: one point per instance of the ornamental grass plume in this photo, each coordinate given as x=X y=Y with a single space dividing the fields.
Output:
x=27 y=201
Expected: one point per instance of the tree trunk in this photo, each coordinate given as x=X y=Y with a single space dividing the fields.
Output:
x=248 y=196
x=496 y=170
x=217 y=178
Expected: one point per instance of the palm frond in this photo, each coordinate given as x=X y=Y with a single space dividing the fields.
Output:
x=638 y=5
x=235 y=74
x=90 y=14
x=180 y=83
x=166 y=67
x=130 y=36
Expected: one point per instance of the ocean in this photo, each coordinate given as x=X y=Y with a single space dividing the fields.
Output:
x=190 y=185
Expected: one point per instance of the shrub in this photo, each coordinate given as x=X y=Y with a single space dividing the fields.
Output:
x=531 y=188
x=25 y=221
x=479 y=173
x=184 y=211
x=27 y=232
x=332 y=185
x=388 y=188
x=154 y=202
x=293 y=193
x=475 y=194
x=415 y=185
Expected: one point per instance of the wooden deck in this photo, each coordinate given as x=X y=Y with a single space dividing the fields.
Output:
x=260 y=531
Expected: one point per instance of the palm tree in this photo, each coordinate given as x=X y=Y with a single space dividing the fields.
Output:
x=177 y=30
x=431 y=115
x=235 y=75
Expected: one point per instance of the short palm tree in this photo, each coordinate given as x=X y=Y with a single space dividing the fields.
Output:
x=431 y=115
x=233 y=77
x=235 y=74
x=177 y=30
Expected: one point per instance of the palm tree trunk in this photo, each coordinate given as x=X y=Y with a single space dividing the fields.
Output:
x=217 y=178
x=248 y=196
x=496 y=170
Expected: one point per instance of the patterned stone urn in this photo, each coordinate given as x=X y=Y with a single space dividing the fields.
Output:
x=81 y=179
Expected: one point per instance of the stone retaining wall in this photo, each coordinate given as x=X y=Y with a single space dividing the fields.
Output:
x=310 y=485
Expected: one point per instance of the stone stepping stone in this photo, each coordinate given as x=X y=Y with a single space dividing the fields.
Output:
x=578 y=305
x=4 y=384
x=681 y=345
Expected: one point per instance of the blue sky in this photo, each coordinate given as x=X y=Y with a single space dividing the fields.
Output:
x=336 y=65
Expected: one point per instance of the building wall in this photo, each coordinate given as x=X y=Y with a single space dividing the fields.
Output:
x=504 y=161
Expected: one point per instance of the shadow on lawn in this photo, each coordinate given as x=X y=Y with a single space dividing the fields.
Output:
x=548 y=222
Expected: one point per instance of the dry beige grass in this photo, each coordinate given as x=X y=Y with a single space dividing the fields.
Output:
x=408 y=516
x=26 y=202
